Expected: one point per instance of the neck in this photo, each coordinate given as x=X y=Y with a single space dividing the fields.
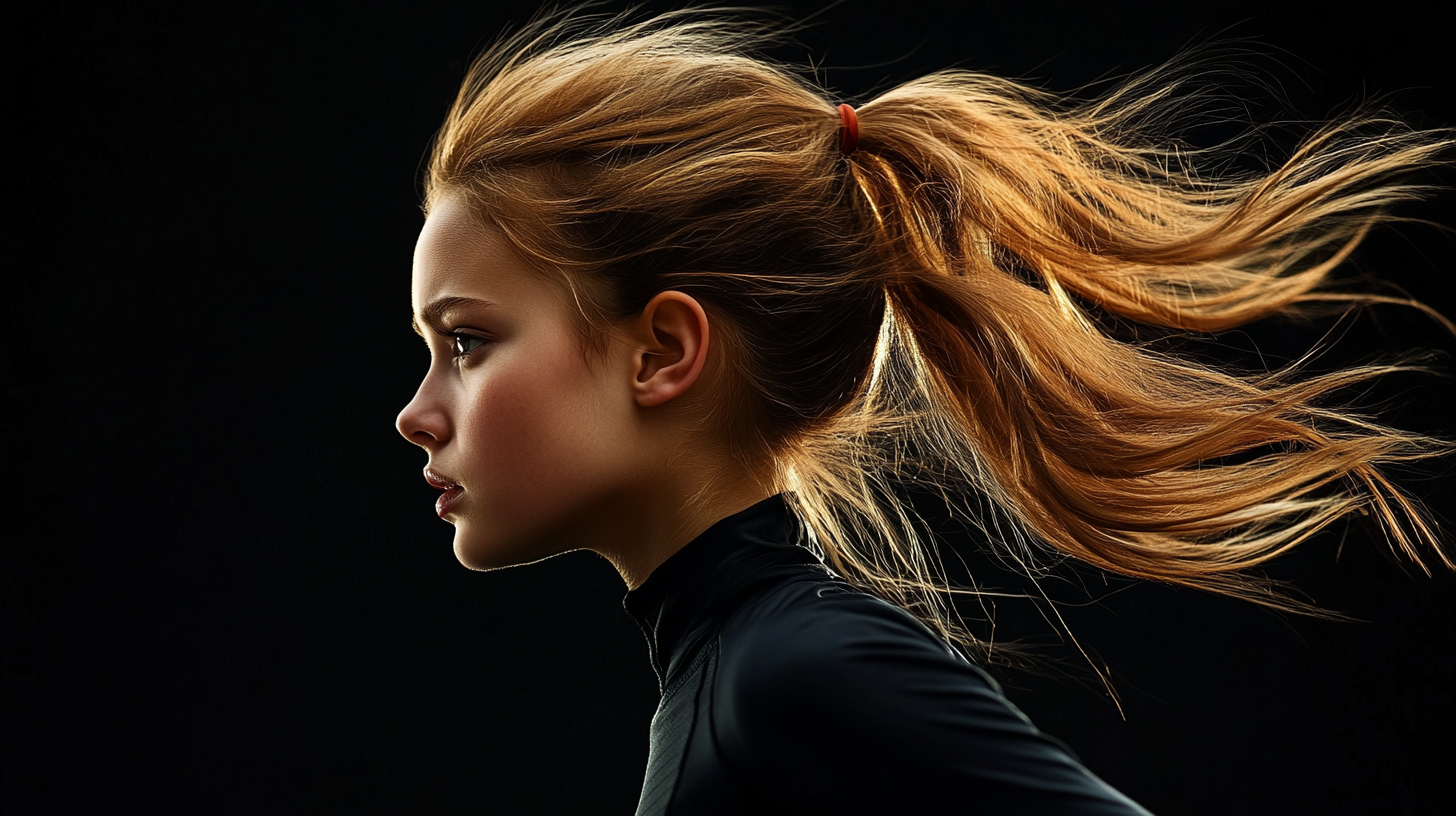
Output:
x=678 y=513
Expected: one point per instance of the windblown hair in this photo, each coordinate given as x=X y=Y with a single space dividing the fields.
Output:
x=925 y=311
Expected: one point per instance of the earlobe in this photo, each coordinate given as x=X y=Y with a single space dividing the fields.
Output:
x=672 y=337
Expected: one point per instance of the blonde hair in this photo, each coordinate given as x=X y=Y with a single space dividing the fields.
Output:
x=925 y=311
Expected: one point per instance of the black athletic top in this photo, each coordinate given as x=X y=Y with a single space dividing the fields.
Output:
x=784 y=690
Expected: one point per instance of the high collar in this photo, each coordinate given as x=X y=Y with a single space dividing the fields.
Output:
x=711 y=575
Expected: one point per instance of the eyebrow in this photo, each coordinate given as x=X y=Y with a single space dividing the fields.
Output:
x=434 y=313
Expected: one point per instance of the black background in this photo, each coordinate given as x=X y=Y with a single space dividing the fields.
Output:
x=225 y=586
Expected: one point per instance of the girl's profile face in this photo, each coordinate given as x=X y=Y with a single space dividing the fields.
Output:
x=532 y=443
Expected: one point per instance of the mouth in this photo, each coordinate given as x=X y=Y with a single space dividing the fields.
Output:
x=450 y=497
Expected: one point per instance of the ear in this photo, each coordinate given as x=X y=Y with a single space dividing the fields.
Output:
x=671 y=339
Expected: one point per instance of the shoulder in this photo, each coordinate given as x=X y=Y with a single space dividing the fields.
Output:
x=801 y=635
x=824 y=651
x=841 y=702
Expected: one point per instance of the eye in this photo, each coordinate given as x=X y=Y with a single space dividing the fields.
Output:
x=466 y=343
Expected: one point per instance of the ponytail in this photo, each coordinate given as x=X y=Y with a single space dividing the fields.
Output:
x=922 y=309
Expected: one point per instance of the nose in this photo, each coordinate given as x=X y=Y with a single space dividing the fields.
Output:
x=424 y=421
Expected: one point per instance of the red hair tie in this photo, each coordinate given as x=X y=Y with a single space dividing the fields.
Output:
x=848 y=130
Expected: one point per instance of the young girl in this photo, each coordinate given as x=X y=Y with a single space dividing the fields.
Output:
x=689 y=313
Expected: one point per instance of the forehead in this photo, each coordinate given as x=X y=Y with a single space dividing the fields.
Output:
x=460 y=258
x=457 y=255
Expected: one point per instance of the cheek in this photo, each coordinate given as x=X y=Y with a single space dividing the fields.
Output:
x=540 y=441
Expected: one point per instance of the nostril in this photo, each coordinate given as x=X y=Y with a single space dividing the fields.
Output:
x=424 y=420
x=416 y=427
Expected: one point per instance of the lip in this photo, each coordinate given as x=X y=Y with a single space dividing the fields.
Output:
x=450 y=497
x=438 y=480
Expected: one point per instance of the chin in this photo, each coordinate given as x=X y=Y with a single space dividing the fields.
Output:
x=484 y=553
